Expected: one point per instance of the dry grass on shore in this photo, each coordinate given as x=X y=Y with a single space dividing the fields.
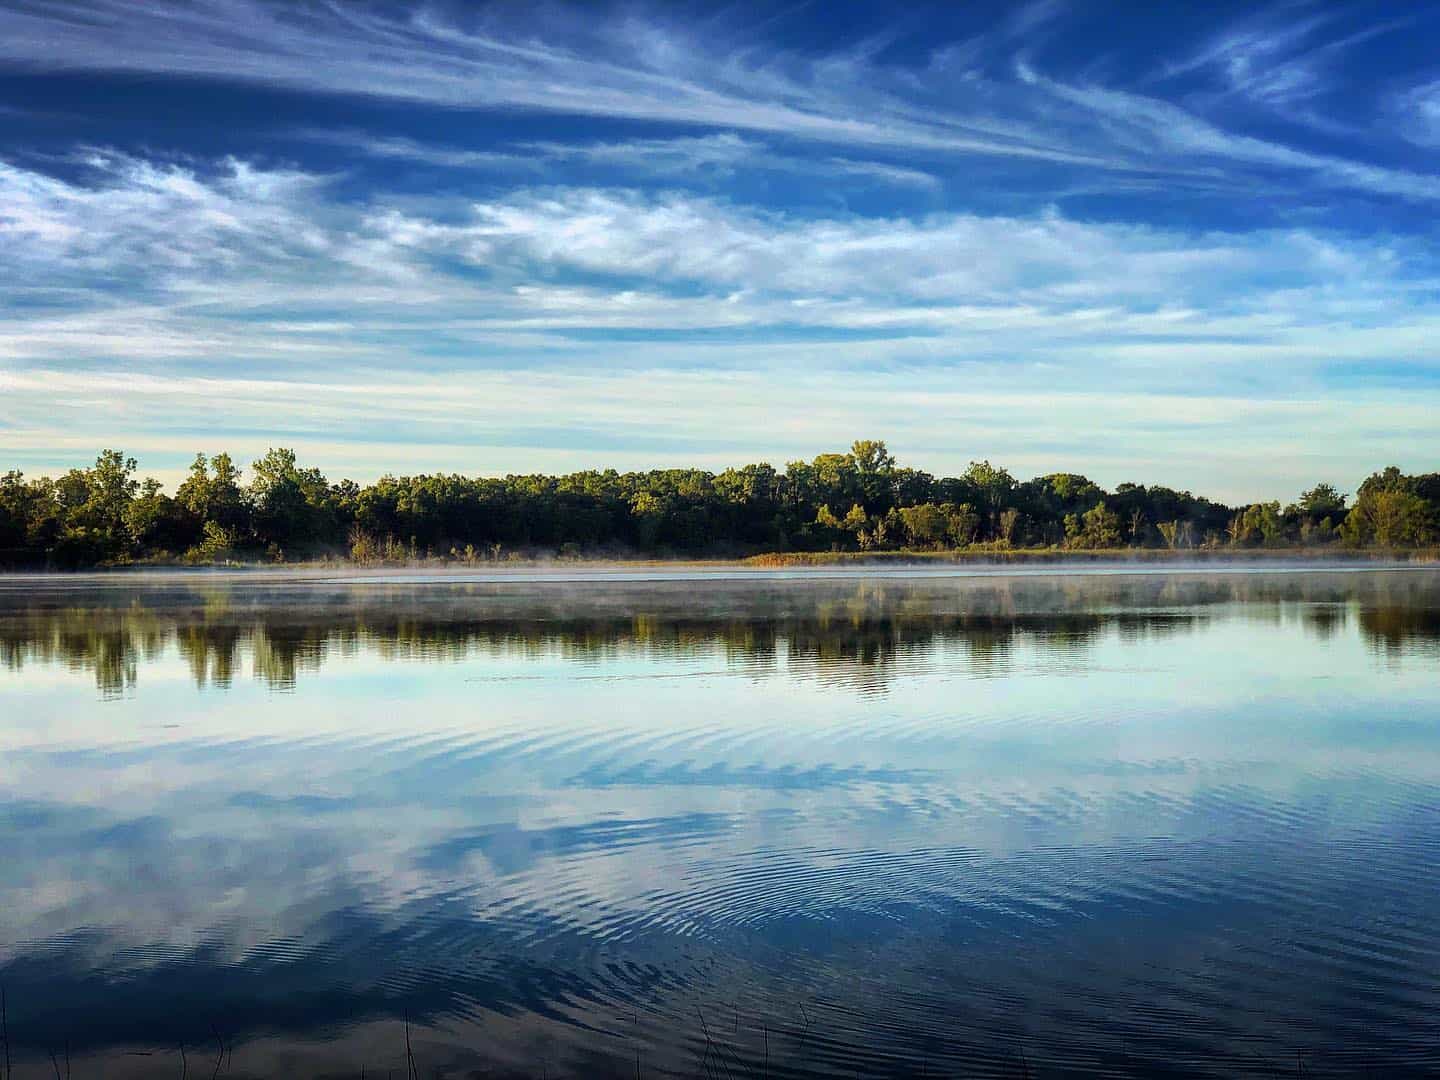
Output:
x=1031 y=556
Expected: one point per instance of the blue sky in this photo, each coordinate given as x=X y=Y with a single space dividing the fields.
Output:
x=1191 y=244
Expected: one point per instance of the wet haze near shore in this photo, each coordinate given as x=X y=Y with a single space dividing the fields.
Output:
x=807 y=824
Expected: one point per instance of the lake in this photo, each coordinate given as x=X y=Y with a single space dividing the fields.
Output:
x=721 y=825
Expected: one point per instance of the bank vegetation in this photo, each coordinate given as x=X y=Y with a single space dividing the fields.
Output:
x=835 y=507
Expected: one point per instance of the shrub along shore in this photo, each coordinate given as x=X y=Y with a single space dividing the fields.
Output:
x=835 y=508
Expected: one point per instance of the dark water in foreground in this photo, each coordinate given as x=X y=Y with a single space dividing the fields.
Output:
x=1158 y=824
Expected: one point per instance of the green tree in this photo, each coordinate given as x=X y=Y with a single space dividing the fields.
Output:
x=855 y=518
x=1389 y=518
x=992 y=483
x=962 y=523
x=291 y=506
x=861 y=497
x=93 y=506
x=875 y=472
x=157 y=524
x=17 y=499
x=992 y=488
x=212 y=492
x=926 y=525
x=649 y=515
x=217 y=544
x=1098 y=527
x=1322 y=501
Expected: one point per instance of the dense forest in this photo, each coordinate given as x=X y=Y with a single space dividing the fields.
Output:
x=863 y=500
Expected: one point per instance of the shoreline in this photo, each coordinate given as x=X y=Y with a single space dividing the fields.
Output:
x=775 y=564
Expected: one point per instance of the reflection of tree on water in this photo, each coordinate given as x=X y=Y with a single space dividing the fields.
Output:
x=1400 y=629
x=1325 y=621
x=858 y=634
x=212 y=651
x=112 y=646
x=280 y=652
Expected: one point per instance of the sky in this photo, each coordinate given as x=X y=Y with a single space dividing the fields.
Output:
x=1191 y=244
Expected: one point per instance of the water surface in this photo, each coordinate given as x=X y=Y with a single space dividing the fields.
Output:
x=1107 y=824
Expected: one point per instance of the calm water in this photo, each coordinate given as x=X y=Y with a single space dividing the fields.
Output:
x=1053 y=825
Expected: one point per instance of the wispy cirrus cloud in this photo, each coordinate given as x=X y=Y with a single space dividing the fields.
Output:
x=401 y=148
x=1417 y=112
x=1149 y=126
x=615 y=68
x=582 y=236
x=238 y=238
x=647 y=319
x=714 y=156
x=1298 y=64
x=986 y=95
x=724 y=153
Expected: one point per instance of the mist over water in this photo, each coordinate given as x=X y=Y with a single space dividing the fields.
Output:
x=899 y=823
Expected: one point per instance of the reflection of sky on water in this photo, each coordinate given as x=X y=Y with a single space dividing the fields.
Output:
x=1186 y=815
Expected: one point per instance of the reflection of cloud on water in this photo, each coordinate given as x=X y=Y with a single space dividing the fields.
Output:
x=509 y=848
x=438 y=816
x=582 y=927
x=755 y=775
x=239 y=869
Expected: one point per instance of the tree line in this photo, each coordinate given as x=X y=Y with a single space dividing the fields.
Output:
x=861 y=500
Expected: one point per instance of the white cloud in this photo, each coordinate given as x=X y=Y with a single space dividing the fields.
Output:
x=662 y=157
x=1152 y=127
x=400 y=148
x=498 y=421
x=1288 y=61
x=648 y=70
x=146 y=219
x=163 y=306
x=146 y=243
x=623 y=70
x=1418 y=113
x=697 y=157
